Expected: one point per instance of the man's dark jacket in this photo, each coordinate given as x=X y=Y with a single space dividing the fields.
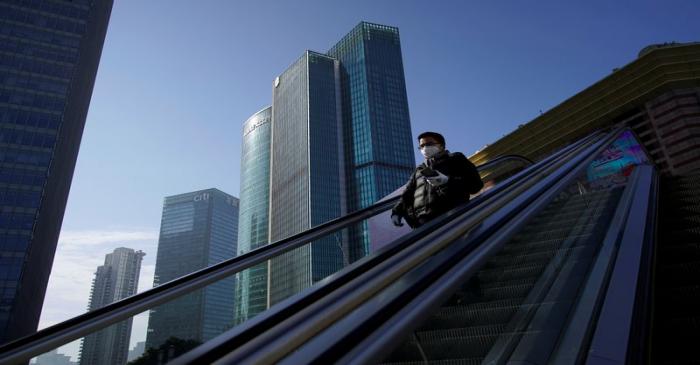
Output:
x=421 y=201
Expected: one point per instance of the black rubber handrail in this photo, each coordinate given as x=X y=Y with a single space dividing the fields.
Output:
x=214 y=349
x=441 y=276
x=505 y=158
x=76 y=327
x=221 y=346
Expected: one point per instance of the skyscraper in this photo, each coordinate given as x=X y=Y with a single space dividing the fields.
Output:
x=251 y=287
x=307 y=174
x=49 y=53
x=197 y=230
x=377 y=127
x=341 y=140
x=117 y=279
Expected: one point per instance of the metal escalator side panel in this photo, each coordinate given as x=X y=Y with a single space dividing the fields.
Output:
x=620 y=330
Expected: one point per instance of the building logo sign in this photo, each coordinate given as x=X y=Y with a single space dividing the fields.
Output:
x=249 y=129
x=201 y=197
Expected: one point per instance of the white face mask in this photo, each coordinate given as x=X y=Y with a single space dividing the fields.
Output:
x=430 y=151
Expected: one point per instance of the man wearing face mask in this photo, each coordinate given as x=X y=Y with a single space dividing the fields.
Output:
x=442 y=182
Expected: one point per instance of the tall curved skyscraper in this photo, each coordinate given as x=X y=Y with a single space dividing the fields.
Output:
x=251 y=291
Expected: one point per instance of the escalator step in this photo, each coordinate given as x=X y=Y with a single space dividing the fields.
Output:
x=676 y=341
x=579 y=205
x=691 y=200
x=513 y=281
x=677 y=273
x=463 y=343
x=691 y=324
x=543 y=257
x=465 y=328
x=681 y=235
x=678 y=217
x=502 y=274
x=476 y=314
x=504 y=292
x=531 y=247
x=679 y=252
x=688 y=178
x=559 y=220
x=462 y=332
x=577 y=201
x=555 y=233
x=677 y=301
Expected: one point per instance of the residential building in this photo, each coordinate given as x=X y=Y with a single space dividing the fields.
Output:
x=117 y=279
x=53 y=358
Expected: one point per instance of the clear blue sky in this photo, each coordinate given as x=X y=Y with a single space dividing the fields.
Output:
x=178 y=78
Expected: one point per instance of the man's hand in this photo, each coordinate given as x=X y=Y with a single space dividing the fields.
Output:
x=438 y=180
x=396 y=219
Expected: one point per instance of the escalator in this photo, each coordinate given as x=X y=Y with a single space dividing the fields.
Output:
x=563 y=237
x=549 y=266
x=677 y=282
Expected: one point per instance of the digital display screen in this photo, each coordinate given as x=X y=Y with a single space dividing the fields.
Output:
x=617 y=161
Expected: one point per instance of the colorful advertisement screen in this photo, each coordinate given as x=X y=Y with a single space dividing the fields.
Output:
x=617 y=162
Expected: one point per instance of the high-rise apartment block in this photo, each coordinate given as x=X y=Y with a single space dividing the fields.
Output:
x=49 y=53
x=117 y=279
x=197 y=230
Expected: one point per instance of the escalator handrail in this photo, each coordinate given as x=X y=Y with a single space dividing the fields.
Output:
x=64 y=332
x=505 y=158
x=229 y=340
x=377 y=303
x=458 y=261
x=375 y=345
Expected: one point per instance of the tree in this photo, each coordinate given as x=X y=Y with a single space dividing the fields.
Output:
x=172 y=348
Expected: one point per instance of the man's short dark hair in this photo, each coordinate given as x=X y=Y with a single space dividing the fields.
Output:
x=437 y=136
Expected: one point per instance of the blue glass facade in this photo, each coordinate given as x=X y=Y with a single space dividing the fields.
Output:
x=341 y=140
x=377 y=126
x=198 y=229
x=251 y=287
x=307 y=178
x=49 y=53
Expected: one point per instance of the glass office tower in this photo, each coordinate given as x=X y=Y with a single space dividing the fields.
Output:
x=197 y=230
x=117 y=279
x=377 y=127
x=307 y=178
x=49 y=53
x=251 y=287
